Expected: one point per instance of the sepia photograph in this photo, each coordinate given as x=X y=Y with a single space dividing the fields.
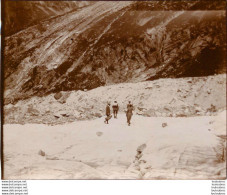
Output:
x=123 y=90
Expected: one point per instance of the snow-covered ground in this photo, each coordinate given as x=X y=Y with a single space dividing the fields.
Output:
x=151 y=148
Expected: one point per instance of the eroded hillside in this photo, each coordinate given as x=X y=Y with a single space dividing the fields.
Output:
x=22 y=14
x=114 y=42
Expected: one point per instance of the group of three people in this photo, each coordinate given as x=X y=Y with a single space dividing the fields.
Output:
x=115 y=111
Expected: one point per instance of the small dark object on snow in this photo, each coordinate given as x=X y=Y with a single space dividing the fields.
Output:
x=41 y=153
x=164 y=125
x=65 y=114
x=52 y=158
x=57 y=96
x=99 y=133
x=141 y=148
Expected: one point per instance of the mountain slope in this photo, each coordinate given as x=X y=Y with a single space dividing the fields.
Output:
x=22 y=14
x=112 y=42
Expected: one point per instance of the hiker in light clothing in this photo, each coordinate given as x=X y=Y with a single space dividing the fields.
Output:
x=115 y=109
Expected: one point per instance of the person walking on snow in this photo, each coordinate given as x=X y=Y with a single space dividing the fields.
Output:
x=108 y=115
x=129 y=112
x=115 y=109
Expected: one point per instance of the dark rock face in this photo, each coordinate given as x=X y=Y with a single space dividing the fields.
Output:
x=114 y=42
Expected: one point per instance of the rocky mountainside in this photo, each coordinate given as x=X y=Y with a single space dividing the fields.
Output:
x=22 y=14
x=115 y=42
x=181 y=97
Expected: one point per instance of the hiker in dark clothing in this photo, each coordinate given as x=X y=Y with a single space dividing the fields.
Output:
x=108 y=115
x=115 y=109
x=129 y=113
